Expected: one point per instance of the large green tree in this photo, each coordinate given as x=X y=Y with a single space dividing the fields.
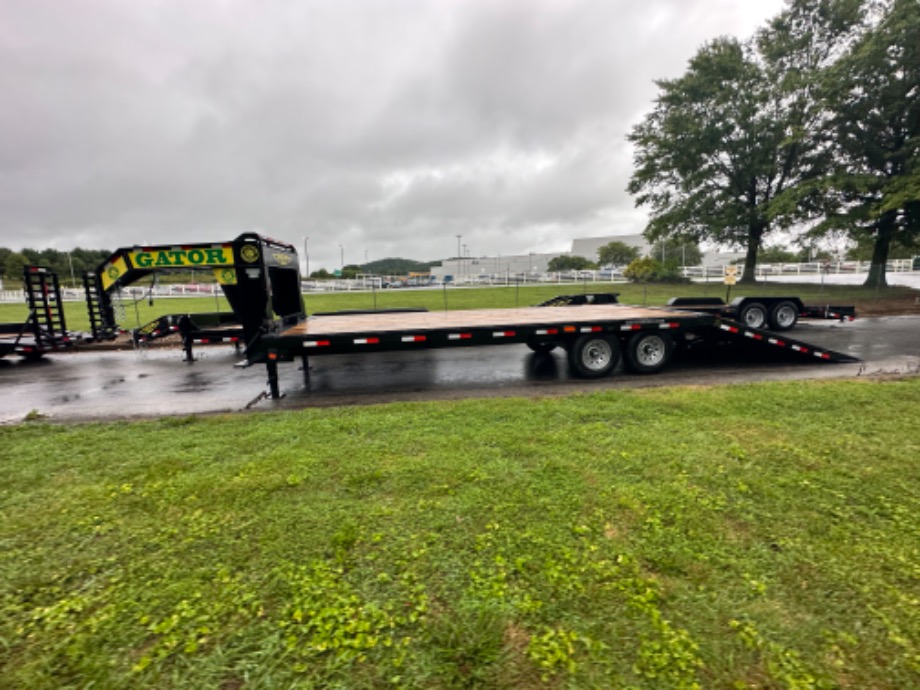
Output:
x=617 y=253
x=730 y=150
x=875 y=98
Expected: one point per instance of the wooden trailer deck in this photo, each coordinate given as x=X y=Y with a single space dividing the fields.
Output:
x=345 y=324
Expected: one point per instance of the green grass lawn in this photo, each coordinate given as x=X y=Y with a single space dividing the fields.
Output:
x=752 y=536
x=139 y=313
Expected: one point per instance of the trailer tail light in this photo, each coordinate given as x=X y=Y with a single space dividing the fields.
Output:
x=316 y=343
x=547 y=331
x=591 y=329
x=459 y=336
x=367 y=341
x=414 y=338
x=503 y=334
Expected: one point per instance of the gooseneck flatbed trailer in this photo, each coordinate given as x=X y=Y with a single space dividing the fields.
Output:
x=261 y=280
x=595 y=336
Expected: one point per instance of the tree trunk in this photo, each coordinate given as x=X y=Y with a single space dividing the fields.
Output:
x=748 y=277
x=877 y=270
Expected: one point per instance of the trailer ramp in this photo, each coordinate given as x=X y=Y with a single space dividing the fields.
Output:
x=776 y=343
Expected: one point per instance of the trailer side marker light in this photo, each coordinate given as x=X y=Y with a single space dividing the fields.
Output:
x=460 y=336
x=631 y=327
x=273 y=355
x=568 y=329
x=503 y=334
x=591 y=329
x=367 y=341
x=316 y=343
x=414 y=338
x=547 y=331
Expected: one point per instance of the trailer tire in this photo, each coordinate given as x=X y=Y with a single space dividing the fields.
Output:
x=754 y=315
x=648 y=353
x=541 y=346
x=784 y=316
x=594 y=356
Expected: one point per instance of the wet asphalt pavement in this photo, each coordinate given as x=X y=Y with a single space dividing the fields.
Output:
x=155 y=382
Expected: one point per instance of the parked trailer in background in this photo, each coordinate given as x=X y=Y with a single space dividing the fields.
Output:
x=45 y=329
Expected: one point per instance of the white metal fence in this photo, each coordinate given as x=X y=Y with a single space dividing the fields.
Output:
x=366 y=283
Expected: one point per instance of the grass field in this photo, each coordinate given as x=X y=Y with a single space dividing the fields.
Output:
x=755 y=536
x=141 y=312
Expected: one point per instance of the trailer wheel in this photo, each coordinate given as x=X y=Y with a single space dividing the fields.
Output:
x=754 y=315
x=541 y=346
x=784 y=316
x=648 y=353
x=594 y=356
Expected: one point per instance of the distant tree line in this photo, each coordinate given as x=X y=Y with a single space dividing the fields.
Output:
x=811 y=126
x=83 y=260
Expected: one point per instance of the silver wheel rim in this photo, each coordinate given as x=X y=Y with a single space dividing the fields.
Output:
x=754 y=318
x=651 y=351
x=785 y=316
x=596 y=355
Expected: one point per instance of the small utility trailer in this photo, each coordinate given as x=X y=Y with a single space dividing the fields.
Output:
x=204 y=328
x=261 y=280
x=45 y=329
x=775 y=313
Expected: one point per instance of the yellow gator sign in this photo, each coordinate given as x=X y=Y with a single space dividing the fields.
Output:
x=164 y=258
x=174 y=257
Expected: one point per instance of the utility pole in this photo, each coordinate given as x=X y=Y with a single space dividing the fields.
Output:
x=306 y=258
x=459 y=256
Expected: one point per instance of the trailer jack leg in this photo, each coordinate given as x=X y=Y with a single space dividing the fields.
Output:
x=187 y=345
x=306 y=370
x=272 y=367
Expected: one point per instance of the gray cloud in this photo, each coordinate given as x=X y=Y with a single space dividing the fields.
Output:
x=386 y=127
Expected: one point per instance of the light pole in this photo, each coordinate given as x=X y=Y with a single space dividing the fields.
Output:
x=342 y=252
x=459 y=256
x=73 y=280
x=306 y=258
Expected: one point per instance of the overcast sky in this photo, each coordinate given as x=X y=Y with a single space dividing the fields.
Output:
x=384 y=127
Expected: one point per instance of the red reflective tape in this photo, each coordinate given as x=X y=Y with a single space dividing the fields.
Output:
x=591 y=329
x=459 y=336
x=234 y=339
x=316 y=343
x=414 y=338
x=631 y=327
x=503 y=334
x=367 y=341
